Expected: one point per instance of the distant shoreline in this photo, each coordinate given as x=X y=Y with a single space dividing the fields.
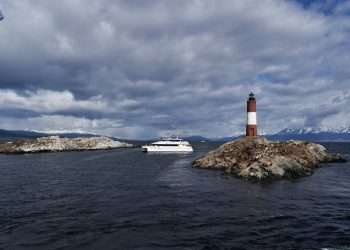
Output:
x=58 y=144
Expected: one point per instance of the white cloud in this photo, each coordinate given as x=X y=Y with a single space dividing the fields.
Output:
x=64 y=124
x=48 y=101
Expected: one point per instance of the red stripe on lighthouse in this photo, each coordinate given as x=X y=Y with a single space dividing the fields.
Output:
x=251 y=106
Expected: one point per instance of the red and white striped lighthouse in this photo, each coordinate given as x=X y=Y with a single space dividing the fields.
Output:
x=251 y=129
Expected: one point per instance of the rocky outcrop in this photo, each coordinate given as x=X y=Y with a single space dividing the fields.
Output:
x=57 y=144
x=258 y=158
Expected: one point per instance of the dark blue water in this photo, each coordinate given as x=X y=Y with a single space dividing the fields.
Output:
x=126 y=199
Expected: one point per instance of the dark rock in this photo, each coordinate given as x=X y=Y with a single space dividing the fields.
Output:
x=257 y=158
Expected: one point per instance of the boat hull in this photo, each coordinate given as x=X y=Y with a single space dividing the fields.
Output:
x=169 y=149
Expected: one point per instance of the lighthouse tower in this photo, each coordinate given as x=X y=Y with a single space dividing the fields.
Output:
x=251 y=129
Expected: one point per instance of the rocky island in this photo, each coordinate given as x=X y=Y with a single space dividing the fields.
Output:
x=57 y=144
x=257 y=158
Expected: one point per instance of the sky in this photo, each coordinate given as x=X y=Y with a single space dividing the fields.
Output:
x=141 y=69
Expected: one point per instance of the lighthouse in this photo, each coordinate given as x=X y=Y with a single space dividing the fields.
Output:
x=251 y=129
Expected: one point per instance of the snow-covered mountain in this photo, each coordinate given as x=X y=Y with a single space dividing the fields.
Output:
x=314 y=134
x=312 y=130
x=22 y=134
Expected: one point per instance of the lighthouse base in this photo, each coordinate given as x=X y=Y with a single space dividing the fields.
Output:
x=251 y=131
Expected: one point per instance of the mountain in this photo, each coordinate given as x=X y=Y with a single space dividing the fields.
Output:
x=307 y=134
x=18 y=134
x=21 y=134
x=195 y=138
x=313 y=130
x=313 y=134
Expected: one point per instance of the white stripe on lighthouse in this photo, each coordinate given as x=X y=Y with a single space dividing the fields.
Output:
x=251 y=118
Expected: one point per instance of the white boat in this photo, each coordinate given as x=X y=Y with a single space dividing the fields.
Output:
x=169 y=145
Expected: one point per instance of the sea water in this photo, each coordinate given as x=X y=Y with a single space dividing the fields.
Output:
x=127 y=199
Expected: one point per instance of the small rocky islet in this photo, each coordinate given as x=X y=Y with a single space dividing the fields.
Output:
x=256 y=158
x=58 y=144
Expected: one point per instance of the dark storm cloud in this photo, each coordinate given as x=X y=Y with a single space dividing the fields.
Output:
x=143 y=68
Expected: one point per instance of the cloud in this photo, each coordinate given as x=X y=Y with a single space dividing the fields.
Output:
x=156 y=67
x=66 y=123
x=47 y=101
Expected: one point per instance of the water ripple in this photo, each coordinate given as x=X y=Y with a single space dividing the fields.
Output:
x=130 y=200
